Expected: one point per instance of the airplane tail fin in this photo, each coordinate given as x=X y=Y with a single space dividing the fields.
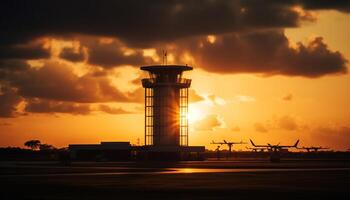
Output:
x=251 y=141
x=296 y=144
x=225 y=141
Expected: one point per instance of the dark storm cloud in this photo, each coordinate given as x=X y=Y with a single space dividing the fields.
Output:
x=139 y=22
x=47 y=106
x=144 y=21
x=243 y=45
x=269 y=14
x=12 y=65
x=30 y=50
x=341 y=5
x=113 y=54
x=72 y=55
x=9 y=99
x=269 y=53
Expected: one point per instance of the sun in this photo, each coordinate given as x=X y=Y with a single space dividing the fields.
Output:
x=194 y=114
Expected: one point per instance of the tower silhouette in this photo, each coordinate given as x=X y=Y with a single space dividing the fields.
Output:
x=166 y=105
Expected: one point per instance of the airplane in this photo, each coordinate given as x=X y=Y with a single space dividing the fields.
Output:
x=229 y=144
x=313 y=148
x=261 y=149
x=276 y=147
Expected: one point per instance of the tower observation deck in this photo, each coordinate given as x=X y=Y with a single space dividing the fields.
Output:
x=166 y=105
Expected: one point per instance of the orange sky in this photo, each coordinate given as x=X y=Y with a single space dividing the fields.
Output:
x=234 y=106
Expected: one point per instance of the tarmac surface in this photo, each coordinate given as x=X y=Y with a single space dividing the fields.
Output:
x=240 y=179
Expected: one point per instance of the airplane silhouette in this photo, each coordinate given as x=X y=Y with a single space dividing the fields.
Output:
x=312 y=148
x=256 y=149
x=229 y=144
x=276 y=147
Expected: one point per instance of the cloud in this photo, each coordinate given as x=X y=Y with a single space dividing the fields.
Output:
x=137 y=95
x=56 y=81
x=138 y=22
x=285 y=122
x=208 y=123
x=55 y=88
x=34 y=49
x=260 y=127
x=340 y=5
x=11 y=65
x=249 y=34
x=9 y=101
x=114 y=53
x=143 y=22
x=47 y=106
x=269 y=53
x=244 y=98
x=216 y=100
x=246 y=37
x=194 y=97
x=113 y=111
x=288 y=97
x=73 y=55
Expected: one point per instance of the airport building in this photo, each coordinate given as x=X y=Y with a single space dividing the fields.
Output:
x=105 y=151
x=166 y=121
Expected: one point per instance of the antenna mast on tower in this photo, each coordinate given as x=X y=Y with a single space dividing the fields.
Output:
x=165 y=58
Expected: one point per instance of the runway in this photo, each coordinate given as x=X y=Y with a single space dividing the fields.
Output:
x=183 y=180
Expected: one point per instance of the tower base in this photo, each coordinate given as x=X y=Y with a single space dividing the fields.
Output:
x=171 y=153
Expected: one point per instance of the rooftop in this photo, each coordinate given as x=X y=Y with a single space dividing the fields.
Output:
x=160 y=68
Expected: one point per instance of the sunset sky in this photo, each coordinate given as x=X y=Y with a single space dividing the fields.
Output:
x=272 y=71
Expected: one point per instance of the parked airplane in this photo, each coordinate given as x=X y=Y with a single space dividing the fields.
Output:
x=276 y=147
x=313 y=148
x=276 y=150
x=229 y=144
x=256 y=149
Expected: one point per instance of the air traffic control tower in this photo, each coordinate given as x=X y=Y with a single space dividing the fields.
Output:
x=166 y=112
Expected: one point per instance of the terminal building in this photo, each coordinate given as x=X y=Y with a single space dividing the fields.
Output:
x=166 y=121
x=105 y=151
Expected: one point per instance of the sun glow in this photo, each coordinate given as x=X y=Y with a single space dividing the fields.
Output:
x=194 y=114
